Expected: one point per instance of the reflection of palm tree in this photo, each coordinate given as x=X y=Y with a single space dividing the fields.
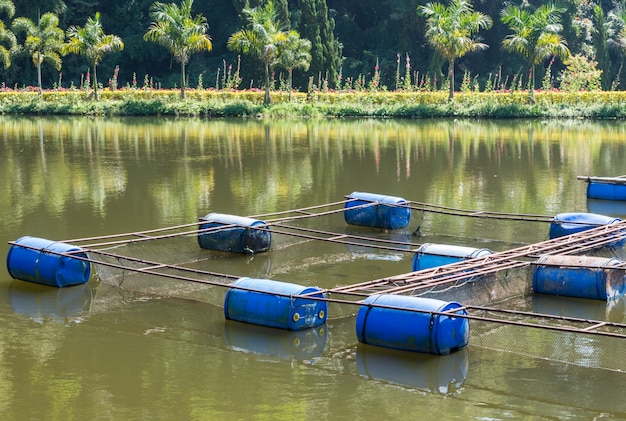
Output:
x=450 y=30
x=43 y=40
x=176 y=30
x=93 y=43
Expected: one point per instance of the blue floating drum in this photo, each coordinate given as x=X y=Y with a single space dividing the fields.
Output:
x=275 y=304
x=234 y=234
x=46 y=262
x=408 y=323
x=596 y=278
x=606 y=188
x=570 y=223
x=377 y=211
x=433 y=255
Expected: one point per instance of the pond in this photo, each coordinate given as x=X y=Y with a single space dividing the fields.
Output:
x=149 y=350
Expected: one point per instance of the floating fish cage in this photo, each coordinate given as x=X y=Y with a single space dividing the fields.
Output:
x=233 y=234
x=377 y=211
x=429 y=320
x=434 y=255
x=596 y=278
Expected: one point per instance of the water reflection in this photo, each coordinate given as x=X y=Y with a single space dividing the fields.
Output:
x=278 y=344
x=442 y=374
x=614 y=208
x=43 y=304
x=270 y=166
x=581 y=308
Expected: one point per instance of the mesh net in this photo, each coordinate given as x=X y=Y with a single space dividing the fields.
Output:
x=122 y=264
x=578 y=348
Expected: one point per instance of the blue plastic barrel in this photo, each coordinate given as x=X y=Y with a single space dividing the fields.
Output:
x=571 y=223
x=39 y=260
x=234 y=234
x=595 y=278
x=402 y=327
x=606 y=190
x=433 y=255
x=386 y=212
x=274 y=304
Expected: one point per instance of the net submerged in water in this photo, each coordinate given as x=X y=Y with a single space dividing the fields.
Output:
x=185 y=270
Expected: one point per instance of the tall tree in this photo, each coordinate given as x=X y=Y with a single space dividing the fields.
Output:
x=451 y=31
x=262 y=38
x=600 y=41
x=294 y=53
x=43 y=41
x=616 y=26
x=91 y=42
x=33 y=8
x=7 y=38
x=319 y=28
x=536 y=36
x=282 y=9
x=175 y=29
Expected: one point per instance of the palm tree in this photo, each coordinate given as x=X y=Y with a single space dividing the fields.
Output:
x=450 y=30
x=7 y=38
x=93 y=43
x=536 y=36
x=43 y=40
x=262 y=38
x=294 y=53
x=175 y=29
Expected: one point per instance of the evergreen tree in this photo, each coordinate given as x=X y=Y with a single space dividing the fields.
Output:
x=282 y=10
x=600 y=43
x=31 y=9
x=318 y=27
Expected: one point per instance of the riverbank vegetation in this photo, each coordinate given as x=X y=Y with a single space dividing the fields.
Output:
x=250 y=103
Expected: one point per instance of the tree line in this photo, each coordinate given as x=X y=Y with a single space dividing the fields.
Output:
x=318 y=44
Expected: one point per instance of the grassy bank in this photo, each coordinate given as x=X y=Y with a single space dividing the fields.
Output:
x=209 y=103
